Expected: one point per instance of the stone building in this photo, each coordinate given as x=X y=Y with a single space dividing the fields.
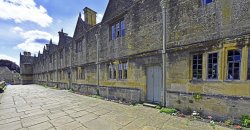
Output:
x=205 y=58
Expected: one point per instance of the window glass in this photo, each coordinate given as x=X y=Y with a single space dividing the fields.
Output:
x=120 y=71
x=125 y=68
x=197 y=66
x=113 y=32
x=122 y=28
x=233 y=64
x=212 y=68
x=118 y=30
x=114 y=71
x=110 y=71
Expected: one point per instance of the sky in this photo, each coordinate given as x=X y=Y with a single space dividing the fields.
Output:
x=27 y=25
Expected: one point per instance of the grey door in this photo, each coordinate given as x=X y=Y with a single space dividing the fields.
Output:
x=154 y=84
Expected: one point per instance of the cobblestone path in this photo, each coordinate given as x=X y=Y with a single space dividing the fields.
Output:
x=33 y=107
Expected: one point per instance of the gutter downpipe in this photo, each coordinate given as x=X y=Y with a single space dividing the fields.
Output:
x=164 y=40
x=97 y=63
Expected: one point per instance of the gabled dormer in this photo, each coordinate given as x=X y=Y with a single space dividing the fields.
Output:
x=83 y=26
x=116 y=8
x=64 y=39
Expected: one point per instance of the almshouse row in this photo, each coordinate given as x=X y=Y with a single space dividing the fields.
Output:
x=206 y=53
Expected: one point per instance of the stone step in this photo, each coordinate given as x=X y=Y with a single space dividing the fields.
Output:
x=149 y=105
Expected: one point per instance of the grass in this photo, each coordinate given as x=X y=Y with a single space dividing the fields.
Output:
x=96 y=96
x=168 y=110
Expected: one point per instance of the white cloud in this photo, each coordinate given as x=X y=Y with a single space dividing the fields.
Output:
x=17 y=30
x=6 y=57
x=30 y=44
x=24 y=10
x=99 y=18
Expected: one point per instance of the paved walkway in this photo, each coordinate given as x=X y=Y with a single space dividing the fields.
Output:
x=33 y=107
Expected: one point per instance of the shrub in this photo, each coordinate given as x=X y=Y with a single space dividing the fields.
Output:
x=168 y=110
x=158 y=107
x=197 y=96
x=245 y=120
x=2 y=87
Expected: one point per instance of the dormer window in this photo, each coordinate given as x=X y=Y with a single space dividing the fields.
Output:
x=118 y=29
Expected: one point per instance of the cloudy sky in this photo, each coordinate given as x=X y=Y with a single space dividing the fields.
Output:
x=27 y=25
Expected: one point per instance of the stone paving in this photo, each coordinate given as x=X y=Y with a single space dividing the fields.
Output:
x=33 y=107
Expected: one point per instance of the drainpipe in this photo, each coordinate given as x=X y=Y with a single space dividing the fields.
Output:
x=97 y=63
x=70 y=66
x=164 y=39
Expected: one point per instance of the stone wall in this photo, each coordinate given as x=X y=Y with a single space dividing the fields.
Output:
x=191 y=22
x=221 y=97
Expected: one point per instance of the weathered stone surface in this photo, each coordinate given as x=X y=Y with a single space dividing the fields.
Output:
x=87 y=113
x=41 y=126
x=61 y=121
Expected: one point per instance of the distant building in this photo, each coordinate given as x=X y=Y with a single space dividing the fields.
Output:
x=207 y=55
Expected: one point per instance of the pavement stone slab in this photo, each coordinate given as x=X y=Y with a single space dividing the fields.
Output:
x=33 y=121
x=41 y=126
x=32 y=107
x=70 y=126
x=102 y=124
x=11 y=126
x=61 y=121
x=6 y=121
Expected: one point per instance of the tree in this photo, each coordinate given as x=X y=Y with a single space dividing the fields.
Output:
x=11 y=65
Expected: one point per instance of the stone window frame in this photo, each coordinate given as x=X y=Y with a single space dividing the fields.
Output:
x=117 y=29
x=78 y=46
x=197 y=66
x=227 y=64
x=110 y=71
x=114 y=71
x=125 y=70
x=218 y=64
x=120 y=71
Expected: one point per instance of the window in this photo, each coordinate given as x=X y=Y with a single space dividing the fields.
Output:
x=248 y=71
x=233 y=64
x=113 y=32
x=118 y=29
x=207 y=1
x=50 y=58
x=114 y=71
x=122 y=28
x=77 y=47
x=197 y=66
x=212 y=68
x=51 y=76
x=61 y=54
x=125 y=71
x=120 y=71
x=82 y=73
x=110 y=71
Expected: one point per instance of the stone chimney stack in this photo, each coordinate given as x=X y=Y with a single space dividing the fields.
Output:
x=90 y=16
x=25 y=53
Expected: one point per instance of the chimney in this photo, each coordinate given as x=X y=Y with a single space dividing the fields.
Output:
x=25 y=53
x=90 y=16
